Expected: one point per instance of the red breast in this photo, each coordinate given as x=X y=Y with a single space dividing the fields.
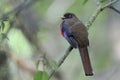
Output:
x=62 y=33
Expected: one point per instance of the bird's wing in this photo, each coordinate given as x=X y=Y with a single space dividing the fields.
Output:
x=79 y=31
x=68 y=35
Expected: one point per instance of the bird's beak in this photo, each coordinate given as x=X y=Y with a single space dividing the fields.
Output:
x=62 y=17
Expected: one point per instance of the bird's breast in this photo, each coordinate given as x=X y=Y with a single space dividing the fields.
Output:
x=61 y=30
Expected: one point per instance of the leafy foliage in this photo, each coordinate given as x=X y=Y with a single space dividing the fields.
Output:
x=41 y=75
x=3 y=24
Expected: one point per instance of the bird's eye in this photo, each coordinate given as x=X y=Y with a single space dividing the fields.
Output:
x=68 y=16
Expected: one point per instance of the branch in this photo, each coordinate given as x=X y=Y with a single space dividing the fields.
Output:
x=114 y=9
x=97 y=11
x=62 y=60
x=91 y=20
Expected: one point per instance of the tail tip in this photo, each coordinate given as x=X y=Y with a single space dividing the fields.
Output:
x=89 y=74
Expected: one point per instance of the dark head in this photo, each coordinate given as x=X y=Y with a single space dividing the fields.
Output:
x=67 y=16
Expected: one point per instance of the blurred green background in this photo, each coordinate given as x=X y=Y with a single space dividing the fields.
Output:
x=33 y=29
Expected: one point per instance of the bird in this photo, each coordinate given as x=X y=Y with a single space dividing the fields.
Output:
x=75 y=32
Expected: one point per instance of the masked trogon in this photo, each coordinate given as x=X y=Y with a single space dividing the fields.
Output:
x=75 y=32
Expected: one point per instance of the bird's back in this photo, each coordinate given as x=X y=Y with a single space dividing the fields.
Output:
x=79 y=32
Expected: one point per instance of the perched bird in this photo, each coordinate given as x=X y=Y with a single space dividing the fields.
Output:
x=75 y=32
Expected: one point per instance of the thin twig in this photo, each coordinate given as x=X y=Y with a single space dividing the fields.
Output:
x=97 y=11
x=91 y=20
x=62 y=60
x=114 y=9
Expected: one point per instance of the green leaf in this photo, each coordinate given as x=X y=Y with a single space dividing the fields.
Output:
x=41 y=75
x=85 y=1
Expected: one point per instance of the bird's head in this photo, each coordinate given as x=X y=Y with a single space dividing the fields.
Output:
x=68 y=16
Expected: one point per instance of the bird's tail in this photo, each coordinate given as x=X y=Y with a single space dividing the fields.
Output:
x=86 y=61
